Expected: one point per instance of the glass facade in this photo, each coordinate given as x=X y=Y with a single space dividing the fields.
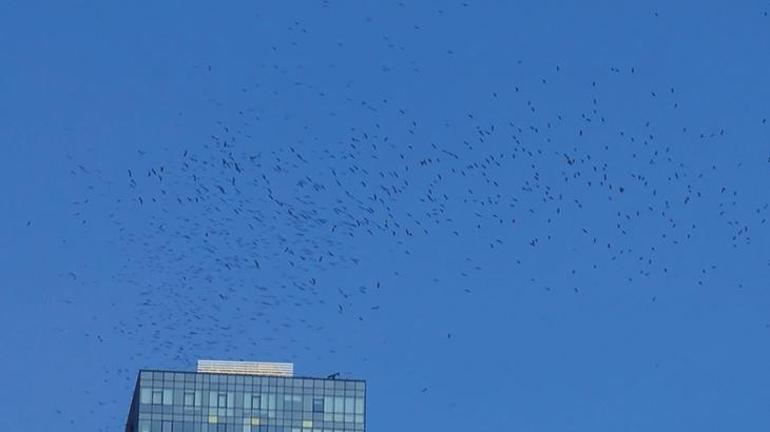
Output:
x=166 y=401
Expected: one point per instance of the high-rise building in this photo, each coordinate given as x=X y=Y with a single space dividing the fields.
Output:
x=226 y=396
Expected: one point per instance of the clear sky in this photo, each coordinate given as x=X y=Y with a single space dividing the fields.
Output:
x=535 y=216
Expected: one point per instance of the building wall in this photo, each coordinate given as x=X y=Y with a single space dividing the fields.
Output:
x=197 y=402
x=133 y=413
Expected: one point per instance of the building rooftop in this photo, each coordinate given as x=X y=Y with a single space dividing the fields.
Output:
x=249 y=368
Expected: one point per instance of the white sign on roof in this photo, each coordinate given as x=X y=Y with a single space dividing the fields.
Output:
x=245 y=368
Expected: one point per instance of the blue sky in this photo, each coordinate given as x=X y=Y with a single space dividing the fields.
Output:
x=513 y=215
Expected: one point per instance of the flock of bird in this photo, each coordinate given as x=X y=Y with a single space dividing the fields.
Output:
x=230 y=233
x=254 y=227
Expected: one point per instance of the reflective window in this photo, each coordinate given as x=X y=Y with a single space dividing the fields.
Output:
x=292 y=403
x=157 y=397
x=144 y=426
x=328 y=404
x=189 y=398
x=145 y=396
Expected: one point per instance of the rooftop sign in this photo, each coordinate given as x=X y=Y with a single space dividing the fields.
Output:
x=245 y=368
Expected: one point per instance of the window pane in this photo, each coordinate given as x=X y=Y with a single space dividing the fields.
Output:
x=145 y=396
x=157 y=397
x=328 y=404
x=167 y=397
x=318 y=404
x=189 y=398
x=359 y=406
x=144 y=426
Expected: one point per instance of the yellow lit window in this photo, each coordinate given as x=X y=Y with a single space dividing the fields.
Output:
x=307 y=424
x=213 y=419
x=255 y=421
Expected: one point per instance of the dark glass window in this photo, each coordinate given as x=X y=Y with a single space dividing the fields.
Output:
x=318 y=404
